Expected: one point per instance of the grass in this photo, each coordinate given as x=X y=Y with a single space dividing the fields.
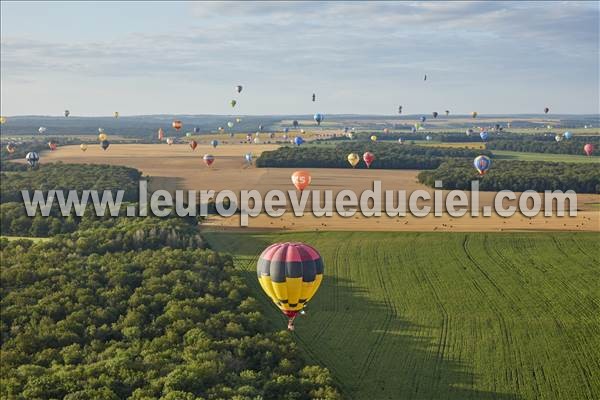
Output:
x=34 y=239
x=447 y=316
x=522 y=156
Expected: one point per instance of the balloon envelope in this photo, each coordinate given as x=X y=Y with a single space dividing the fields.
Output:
x=353 y=159
x=176 y=125
x=104 y=144
x=368 y=158
x=32 y=158
x=298 y=140
x=301 y=179
x=214 y=143
x=482 y=164
x=208 y=159
x=588 y=149
x=83 y=146
x=290 y=274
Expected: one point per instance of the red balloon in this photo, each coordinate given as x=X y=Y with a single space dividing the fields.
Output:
x=52 y=146
x=177 y=125
x=588 y=149
x=301 y=179
x=161 y=134
x=368 y=158
x=208 y=159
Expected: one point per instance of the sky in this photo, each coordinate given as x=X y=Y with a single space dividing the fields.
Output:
x=139 y=58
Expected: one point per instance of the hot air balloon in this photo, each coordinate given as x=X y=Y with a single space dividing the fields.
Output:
x=238 y=120
x=32 y=158
x=474 y=114
x=302 y=131
x=400 y=140
x=447 y=112
x=301 y=179
x=373 y=138
x=350 y=135
x=484 y=135
x=42 y=129
x=67 y=113
x=290 y=274
x=386 y=130
x=318 y=118
x=368 y=158
x=100 y=130
x=102 y=137
x=399 y=109
x=435 y=114
x=286 y=129
x=298 y=140
x=104 y=144
x=423 y=119
x=413 y=129
x=469 y=132
x=230 y=124
x=248 y=137
x=238 y=88
x=314 y=97
x=546 y=110
x=425 y=77
x=295 y=123
x=83 y=146
x=208 y=159
x=260 y=128
x=2 y=120
x=196 y=129
x=353 y=159
x=169 y=141
x=232 y=103
x=558 y=138
x=588 y=149
x=428 y=138
x=177 y=125
x=220 y=129
x=53 y=146
x=214 y=143
x=116 y=114
x=482 y=164
x=193 y=144
x=10 y=148
x=188 y=134
x=161 y=134
x=248 y=158
x=568 y=135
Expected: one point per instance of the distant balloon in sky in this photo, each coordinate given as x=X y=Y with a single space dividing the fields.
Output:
x=318 y=118
x=301 y=179
x=32 y=158
x=368 y=158
x=314 y=97
x=298 y=140
x=238 y=88
x=42 y=129
x=484 y=135
x=482 y=164
x=546 y=110
x=568 y=135
x=208 y=159
x=67 y=113
x=474 y=114
x=588 y=149
x=176 y=125
x=353 y=159
x=214 y=143
x=232 y=103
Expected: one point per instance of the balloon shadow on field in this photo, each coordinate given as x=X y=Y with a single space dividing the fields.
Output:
x=371 y=351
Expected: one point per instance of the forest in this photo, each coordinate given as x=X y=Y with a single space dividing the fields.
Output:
x=387 y=156
x=517 y=176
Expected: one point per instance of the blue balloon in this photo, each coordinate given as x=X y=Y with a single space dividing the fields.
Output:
x=423 y=118
x=214 y=143
x=482 y=164
x=484 y=135
x=318 y=118
x=196 y=130
x=298 y=141
x=568 y=135
x=286 y=129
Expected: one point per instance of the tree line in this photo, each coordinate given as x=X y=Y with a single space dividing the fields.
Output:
x=547 y=145
x=387 y=156
x=517 y=176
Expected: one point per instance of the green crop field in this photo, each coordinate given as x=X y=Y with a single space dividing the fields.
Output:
x=523 y=156
x=448 y=316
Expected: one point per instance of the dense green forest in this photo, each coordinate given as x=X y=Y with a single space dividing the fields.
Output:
x=66 y=177
x=517 y=176
x=395 y=156
x=84 y=316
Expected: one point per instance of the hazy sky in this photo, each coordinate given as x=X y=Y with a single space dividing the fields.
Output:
x=168 y=57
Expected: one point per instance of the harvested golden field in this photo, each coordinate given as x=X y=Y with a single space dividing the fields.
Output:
x=178 y=167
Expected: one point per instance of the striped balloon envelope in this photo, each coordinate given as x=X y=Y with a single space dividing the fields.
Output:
x=290 y=274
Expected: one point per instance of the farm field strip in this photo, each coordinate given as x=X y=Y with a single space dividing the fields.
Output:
x=453 y=315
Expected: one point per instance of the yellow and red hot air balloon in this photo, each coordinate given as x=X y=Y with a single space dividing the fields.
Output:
x=301 y=179
x=177 y=125
x=290 y=274
x=53 y=146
